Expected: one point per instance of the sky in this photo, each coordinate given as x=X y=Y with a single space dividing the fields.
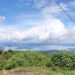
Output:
x=38 y=24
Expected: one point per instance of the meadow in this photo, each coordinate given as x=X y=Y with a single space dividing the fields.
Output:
x=37 y=63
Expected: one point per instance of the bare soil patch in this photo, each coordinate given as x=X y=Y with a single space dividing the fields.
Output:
x=21 y=72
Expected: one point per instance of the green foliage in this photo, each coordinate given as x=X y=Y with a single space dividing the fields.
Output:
x=64 y=60
x=25 y=59
x=15 y=59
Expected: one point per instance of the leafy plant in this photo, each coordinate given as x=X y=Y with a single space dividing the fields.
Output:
x=65 y=61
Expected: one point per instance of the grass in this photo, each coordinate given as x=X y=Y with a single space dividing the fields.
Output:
x=36 y=70
x=32 y=70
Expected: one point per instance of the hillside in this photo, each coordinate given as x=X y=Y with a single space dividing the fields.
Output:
x=37 y=63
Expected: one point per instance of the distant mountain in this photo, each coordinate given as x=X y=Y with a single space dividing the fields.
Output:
x=72 y=49
x=49 y=51
x=46 y=47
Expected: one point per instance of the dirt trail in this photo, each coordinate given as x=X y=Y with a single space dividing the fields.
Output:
x=19 y=72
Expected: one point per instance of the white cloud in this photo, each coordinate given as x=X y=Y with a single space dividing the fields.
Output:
x=70 y=35
x=48 y=29
x=2 y=19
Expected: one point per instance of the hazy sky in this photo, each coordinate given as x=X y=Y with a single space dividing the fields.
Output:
x=37 y=21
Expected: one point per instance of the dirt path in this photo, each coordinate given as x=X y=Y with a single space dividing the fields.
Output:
x=22 y=73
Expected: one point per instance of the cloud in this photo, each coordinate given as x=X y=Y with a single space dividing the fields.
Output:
x=34 y=3
x=40 y=3
x=71 y=3
x=71 y=7
x=71 y=34
x=50 y=27
x=2 y=19
x=54 y=9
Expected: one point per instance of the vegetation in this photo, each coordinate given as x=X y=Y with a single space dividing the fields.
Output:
x=59 y=63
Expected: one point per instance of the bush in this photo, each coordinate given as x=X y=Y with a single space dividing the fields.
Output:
x=65 y=61
x=15 y=61
x=10 y=60
x=25 y=59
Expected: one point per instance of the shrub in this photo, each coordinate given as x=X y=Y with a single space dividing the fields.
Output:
x=65 y=61
x=25 y=59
